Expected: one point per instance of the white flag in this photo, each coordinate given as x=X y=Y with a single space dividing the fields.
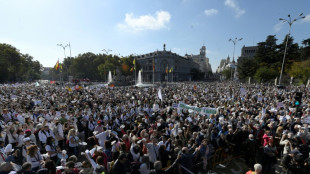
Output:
x=275 y=81
x=291 y=80
x=249 y=80
x=159 y=95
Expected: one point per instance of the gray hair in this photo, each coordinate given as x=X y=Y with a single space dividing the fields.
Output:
x=258 y=168
x=157 y=165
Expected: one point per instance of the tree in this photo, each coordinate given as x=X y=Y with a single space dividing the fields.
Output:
x=246 y=68
x=305 y=50
x=300 y=70
x=227 y=73
x=265 y=74
x=16 y=66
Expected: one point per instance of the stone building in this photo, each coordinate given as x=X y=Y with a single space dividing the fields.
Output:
x=201 y=60
x=178 y=67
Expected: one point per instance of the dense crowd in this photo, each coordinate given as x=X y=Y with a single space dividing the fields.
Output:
x=118 y=130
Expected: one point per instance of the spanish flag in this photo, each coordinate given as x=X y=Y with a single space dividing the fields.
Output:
x=131 y=69
x=171 y=69
x=167 y=69
x=57 y=65
x=153 y=64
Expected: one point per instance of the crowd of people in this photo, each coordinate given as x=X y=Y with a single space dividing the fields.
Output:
x=120 y=130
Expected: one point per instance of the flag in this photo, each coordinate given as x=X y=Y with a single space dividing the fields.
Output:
x=167 y=69
x=134 y=64
x=171 y=69
x=275 y=81
x=153 y=64
x=57 y=65
x=159 y=95
x=291 y=80
x=131 y=69
x=249 y=80
x=52 y=82
x=195 y=87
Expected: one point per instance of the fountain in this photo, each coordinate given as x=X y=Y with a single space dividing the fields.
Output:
x=139 y=82
x=110 y=77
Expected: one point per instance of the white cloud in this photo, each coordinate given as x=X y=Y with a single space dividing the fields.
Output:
x=232 y=4
x=278 y=26
x=211 y=12
x=146 y=22
x=306 y=19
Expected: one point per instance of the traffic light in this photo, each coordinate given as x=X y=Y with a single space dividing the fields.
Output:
x=298 y=98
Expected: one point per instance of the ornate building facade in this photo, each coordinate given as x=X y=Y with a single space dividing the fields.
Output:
x=178 y=67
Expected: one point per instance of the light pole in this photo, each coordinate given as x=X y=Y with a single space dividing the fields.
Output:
x=64 y=48
x=234 y=41
x=290 y=23
x=107 y=51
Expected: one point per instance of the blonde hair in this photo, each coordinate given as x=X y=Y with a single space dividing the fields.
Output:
x=71 y=131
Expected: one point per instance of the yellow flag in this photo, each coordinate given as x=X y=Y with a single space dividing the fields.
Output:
x=57 y=65
x=171 y=69
x=134 y=61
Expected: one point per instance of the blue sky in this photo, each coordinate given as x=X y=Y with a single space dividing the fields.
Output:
x=141 y=26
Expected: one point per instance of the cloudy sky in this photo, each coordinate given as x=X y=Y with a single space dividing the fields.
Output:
x=141 y=26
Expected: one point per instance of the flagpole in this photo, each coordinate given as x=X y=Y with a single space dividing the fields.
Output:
x=167 y=73
x=172 y=73
x=153 y=69
x=135 y=72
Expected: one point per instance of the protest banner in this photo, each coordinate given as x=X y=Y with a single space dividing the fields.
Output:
x=202 y=111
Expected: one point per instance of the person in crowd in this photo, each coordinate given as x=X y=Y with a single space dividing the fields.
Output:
x=34 y=157
x=73 y=142
x=257 y=169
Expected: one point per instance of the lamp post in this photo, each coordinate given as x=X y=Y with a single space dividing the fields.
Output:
x=290 y=23
x=234 y=41
x=107 y=51
x=64 y=48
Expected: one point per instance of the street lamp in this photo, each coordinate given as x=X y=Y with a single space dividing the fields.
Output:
x=234 y=41
x=107 y=51
x=290 y=23
x=64 y=48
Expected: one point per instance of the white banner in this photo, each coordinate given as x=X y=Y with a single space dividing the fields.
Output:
x=202 y=111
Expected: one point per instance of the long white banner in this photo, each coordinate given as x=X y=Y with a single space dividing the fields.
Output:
x=202 y=111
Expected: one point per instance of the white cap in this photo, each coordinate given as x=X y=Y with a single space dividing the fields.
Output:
x=26 y=139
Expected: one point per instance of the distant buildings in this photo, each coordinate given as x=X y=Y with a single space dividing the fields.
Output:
x=178 y=67
x=224 y=64
x=246 y=53
x=201 y=60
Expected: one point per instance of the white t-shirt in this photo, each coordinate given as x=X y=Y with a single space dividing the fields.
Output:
x=75 y=139
x=49 y=148
x=101 y=138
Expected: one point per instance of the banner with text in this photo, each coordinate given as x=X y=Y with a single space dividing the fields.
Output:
x=202 y=111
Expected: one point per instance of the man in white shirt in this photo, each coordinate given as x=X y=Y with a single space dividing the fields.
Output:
x=102 y=137
x=44 y=133
x=152 y=149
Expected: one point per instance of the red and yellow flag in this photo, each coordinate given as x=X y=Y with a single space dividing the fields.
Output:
x=131 y=69
x=167 y=70
x=153 y=64
x=57 y=65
